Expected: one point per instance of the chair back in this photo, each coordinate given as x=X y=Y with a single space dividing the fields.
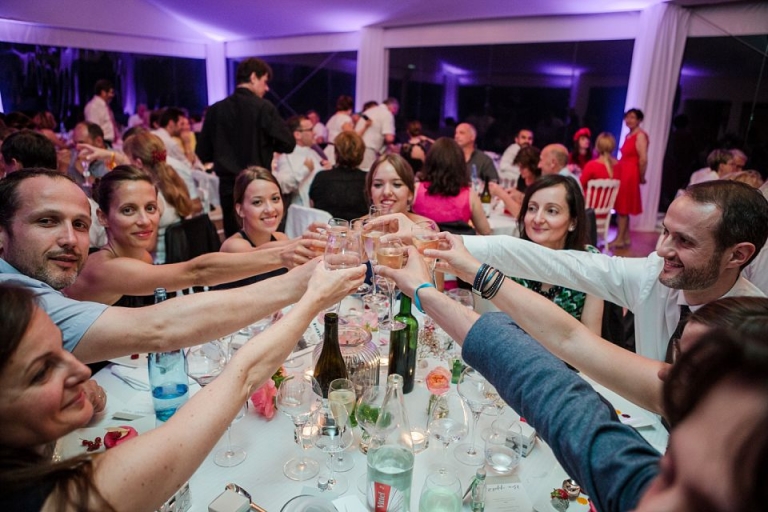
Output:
x=190 y=238
x=601 y=196
x=298 y=219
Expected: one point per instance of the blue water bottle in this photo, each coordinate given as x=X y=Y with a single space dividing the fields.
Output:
x=167 y=377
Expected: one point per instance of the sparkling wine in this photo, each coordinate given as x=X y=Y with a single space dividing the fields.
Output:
x=343 y=397
x=391 y=257
x=371 y=241
x=422 y=244
x=330 y=364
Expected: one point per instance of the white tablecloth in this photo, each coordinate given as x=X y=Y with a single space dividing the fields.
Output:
x=269 y=445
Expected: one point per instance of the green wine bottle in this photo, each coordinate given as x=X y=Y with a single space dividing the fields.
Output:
x=330 y=363
x=403 y=344
x=485 y=198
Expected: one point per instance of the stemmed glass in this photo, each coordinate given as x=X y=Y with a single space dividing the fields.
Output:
x=371 y=242
x=425 y=235
x=476 y=392
x=448 y=422
x=342 y=251
x=391 y=254
x=204 y=363
x=332 y=434
x=298 y=397
x=341 y=393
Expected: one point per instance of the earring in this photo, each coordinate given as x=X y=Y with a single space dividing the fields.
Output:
x=572 y=229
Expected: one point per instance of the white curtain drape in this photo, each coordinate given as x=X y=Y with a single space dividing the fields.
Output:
x=372 y=68
x=653 y=77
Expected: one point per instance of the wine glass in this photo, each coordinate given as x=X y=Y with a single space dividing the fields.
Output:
x=462 y=296
x=367 y=412
x=341 y=393
x=371 y=242
x=391 y=254
x=425 y=235
x=336 y=225
x=298 y=397
x=342 y=251
x=448 y=422
x=441 y=491
x=331 y=433
x=504 y=446
x=475 y=391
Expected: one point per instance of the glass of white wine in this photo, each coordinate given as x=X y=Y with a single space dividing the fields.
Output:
x=426 y=235
x=341 y=393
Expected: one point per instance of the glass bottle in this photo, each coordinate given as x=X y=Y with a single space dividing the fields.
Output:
x=167 y=376
x=390 y=454
x=403 y=344
x=477 y=496
x=485 y=198
x=330 y=364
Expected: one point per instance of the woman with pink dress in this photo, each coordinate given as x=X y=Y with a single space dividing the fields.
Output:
x=634 y=160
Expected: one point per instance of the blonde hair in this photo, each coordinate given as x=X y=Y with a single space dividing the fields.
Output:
x=605 y=144
x=150 y=150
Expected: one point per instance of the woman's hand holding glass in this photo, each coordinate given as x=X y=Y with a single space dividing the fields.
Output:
x=409 y=277
x=425 y=235
x=454 y=258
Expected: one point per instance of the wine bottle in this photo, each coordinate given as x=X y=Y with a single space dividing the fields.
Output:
x=330 y=363
x=167 y=376
x=403 y=344
x=485 y=198
x=390 y=454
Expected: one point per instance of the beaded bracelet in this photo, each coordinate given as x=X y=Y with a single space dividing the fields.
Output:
x=491 y=292
x=488 y=281
x=416 y=300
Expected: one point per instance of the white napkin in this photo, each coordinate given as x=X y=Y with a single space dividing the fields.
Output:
x=137 y=378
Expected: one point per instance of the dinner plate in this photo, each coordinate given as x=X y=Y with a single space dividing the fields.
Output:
x=139 y=362
x=71 y=445
x=307 y=503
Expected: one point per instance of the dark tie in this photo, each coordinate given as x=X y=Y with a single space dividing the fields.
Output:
x=673 y=346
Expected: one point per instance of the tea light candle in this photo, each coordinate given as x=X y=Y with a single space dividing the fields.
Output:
x=419 y=437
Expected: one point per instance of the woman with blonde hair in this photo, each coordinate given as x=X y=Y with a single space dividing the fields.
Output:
x=604 y=166
x=146 y=151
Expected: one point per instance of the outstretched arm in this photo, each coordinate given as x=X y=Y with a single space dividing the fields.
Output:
x=631 y=375
x=189 y=320
x=159 y=462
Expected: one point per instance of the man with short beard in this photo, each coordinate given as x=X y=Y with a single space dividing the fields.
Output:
x=711 y=232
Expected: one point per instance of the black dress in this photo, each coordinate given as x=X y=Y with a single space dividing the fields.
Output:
x=341 y=192
x=252 y=279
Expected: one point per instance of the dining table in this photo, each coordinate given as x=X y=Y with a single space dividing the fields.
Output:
x=269 y=443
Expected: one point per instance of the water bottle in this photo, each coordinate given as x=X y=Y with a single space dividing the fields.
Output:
x=477 y=497
x=403 y=344
x=167 y=376
x=390 y=454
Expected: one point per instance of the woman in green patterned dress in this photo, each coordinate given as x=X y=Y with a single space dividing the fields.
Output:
x=552 y=215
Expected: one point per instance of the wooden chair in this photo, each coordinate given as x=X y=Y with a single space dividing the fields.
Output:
x=601 y=196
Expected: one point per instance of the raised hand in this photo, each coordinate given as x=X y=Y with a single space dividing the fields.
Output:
x=456 y=259
x=326 y=288
x=412 y=275
x=396 y=225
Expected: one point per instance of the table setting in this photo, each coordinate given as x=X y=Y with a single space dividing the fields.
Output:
x=298 y=445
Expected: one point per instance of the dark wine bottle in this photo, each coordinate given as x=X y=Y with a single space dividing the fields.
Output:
x=485 y=198
x=403 y=344
x=330 y=364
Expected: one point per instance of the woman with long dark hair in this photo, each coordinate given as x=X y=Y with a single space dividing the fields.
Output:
x=445 y=194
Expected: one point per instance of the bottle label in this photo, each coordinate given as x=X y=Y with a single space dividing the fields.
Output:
x=387 y=498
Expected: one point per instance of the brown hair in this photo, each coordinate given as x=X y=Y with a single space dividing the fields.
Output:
x=25 y=470
x=402 y=168
x=150 y=150
x=579 y=237
x=528 y=158
x=112 y=180
x=350 y=149
x=244 y=179
x=9 y=190
x=445 y=168
x=740 y=359
x=743 y=212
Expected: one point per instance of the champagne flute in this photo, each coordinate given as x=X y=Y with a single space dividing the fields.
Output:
x=391 y=254
x=371 y=242
x=331 y=434
x=425 y=235
x=476 y=392
x=342 y=251
x=448 y=422
x=298 y=397
x=341 y=393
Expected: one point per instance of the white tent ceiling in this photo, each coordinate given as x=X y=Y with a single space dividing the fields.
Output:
x=231 y=20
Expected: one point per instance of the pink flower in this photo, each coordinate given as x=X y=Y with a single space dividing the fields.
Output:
x=263 y=399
